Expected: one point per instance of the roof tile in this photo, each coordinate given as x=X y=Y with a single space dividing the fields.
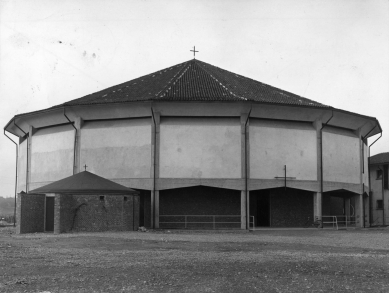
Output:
x=193 y=80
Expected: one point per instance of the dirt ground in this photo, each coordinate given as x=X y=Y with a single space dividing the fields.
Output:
x=176 y=261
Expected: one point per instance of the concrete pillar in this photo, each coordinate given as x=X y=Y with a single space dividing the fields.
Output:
x=156 y=207
x=31 y=131
x=359 y=210
x=57 y=214
x=155 y=142
x=244 y=123
x=18 y=213
x=318 y=125
x=317 y=205
x=152 y=204
x=243 y=211
x=78 y=122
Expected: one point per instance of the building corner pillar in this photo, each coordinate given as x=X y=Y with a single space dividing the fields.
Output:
x=31 y=131
x=156 y=205
x=78 y=123
x=317 y=205
x=359 y=218
x=57 y=214
x=155 y=142
x=243 y=210
x=19 y=214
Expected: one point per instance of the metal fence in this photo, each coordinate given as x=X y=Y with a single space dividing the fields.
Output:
x=199 y=221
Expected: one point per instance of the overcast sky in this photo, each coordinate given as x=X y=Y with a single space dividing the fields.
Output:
x=333 y=52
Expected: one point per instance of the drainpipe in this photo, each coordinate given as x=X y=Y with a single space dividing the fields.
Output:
x=246 y=172
x=75 y=140
x=321 y=158
x=16 y=175
x=154 y=163
x=370 y=194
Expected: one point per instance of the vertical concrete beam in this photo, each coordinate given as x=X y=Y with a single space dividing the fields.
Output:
x=359 y=199
x=359 y=210
x=18 y=213
x=152 y=173
x=57 y=214
x=317 y=205
x=244 y=126
x=78 y=122
x=318 y=196
x=155 y=143
x=243 y=211
x=31 y=131
x=156 y=205
x=317 y=125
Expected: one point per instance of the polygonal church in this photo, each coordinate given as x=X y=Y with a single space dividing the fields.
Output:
x=191 y=146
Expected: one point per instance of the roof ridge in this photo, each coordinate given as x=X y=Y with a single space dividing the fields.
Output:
x=185 y=68
x=225 y=87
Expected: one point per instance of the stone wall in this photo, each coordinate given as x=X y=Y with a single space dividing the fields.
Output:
x=63 y=213
x=30 y=213
x=291 y=209
x=199 y=200
x=105 y=213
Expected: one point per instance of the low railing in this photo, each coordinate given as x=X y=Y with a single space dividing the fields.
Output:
x=252 y=223
x=194 y=221
x=340 y=220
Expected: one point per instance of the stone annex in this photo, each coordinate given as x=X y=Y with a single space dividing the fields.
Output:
x=202 y=147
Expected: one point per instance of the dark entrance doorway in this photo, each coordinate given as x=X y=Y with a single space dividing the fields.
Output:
x=263 y=209
x=50 y=214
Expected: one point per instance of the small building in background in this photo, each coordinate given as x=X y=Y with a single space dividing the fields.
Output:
x=83 y=202
x=379 y=178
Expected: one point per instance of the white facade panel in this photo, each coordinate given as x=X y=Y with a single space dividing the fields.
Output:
x=200 y=148
x=274 y=144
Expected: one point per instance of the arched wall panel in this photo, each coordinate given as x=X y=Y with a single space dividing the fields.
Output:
x=341 y=156
x=200 y=148
x=52 y=151
x=117 y=148
x=274 y=144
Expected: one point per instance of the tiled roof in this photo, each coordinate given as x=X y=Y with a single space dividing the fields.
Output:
x=84 y=183
x=193 y=80
x=382 y=158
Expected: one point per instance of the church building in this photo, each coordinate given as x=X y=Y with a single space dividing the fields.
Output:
x=206 y=148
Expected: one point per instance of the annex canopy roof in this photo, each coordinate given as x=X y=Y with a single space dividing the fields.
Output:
x=84 y=183
x=382 y=158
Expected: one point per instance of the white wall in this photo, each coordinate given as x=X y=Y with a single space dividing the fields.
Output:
x=22 y=166
x=117 y=148
x=274 y=144
x=52 y=153
x=341 y=156
x=200 y=148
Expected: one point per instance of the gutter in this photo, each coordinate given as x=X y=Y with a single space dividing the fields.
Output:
x=321 y=156
x=16 y=175
x=75 y=140
x=19 y=127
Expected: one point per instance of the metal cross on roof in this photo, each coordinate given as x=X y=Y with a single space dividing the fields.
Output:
x=85 y=167
x=194 y=52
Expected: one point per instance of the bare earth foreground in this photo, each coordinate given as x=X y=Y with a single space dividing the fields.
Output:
x=176 y=261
